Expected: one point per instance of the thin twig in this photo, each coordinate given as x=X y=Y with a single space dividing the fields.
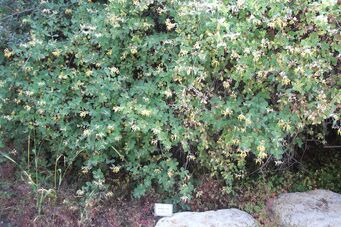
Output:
x=23 y=66
x=18 y=13
x=331 y=147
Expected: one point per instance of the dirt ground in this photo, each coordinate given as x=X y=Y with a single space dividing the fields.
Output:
x=19 y=206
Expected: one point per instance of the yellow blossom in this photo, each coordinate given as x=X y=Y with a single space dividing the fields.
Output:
x=100 y=135
x=261 y=148
x=199 y=194
x=284 y=125
x=215 y=63
x=262 y=155
x=174 y=137
x=170 y=173
x=116 y=108
x=88 y=72
x=85 y=170
x=243 y=154
x=62 y=76
x=56 y=53
x=168 y=93
x=169 y=24
x=135 y=128
x=109 y=194
x=114 y=70
x=146 y=113
x=236 y=141
x=227 y=112
x=80 y=192
x=226 y=84
x=7 y=53
x=191 y=157
x=68 y=11
x=157 y=171
x=86 y=132
x=115 y=169
x=241 y=117
x=285 y=80
x=110 y=128
x=83 y=113
x=184 y=199
x=133 y=50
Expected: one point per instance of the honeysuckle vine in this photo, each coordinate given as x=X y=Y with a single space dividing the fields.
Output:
x=161 y=90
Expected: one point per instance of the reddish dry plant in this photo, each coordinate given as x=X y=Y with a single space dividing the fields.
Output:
x=209 y=195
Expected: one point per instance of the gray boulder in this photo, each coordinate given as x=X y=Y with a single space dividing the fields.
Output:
x=318 y=208
x=219 y=218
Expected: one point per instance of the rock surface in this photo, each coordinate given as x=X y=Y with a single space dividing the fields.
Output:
x=219 y=218
x=318 y=208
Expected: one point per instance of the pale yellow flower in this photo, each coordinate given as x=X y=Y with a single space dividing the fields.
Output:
x=284 y=79
x=116 y=108
x=109 y=194
x=157 y=171
x=56 y=53
x=262 y=155
x=248 y=121
x=184 y=199
x=109 y=53
x=85 y=170
x=133 y=50
x=62 y=76
x=146 y=113
x=285 y=125
x=241 y=117
x=227 y=112
x=169 y=24
x=7 y=53
x=86 y=132
x=80 y=192
x=110 y=128
x=243 y=154
x=115 y=169
x=100 y=135
x=170 y=173
x=68 y=11
x=236 y=141
x=88 y=72
x=114 y=70
x=226 y=84
x=261 y=148
x=83 y=113
x=168 y=93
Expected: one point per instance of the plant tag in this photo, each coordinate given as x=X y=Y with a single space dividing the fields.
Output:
x=163 y=210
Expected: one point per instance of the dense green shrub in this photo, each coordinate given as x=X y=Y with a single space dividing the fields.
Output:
x=158 y=90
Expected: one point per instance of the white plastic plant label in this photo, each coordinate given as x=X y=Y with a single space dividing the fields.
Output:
x=163 y=210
